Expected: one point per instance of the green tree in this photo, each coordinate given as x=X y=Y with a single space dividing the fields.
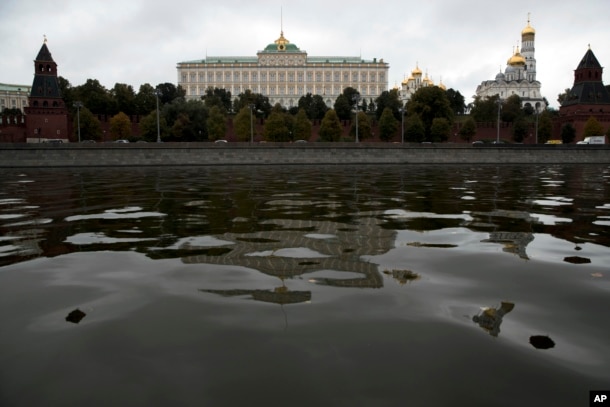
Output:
x=485 y=109
x=90 y=127
x=276 y=128
x=216 y=123
x=429 y=103
x=456 y=101
x=302 y=126
x=468 y=129
x=181 y=129
x=148 y=127
x=218 y=97
x=314 y=106
x=387 y=125
x=145 y=100
x=520 y=129
x=260 y=102
x=95 y=97
x=440 y=129
x=390 y=100
x=330 y=128
x=545 y=127
x=170 y=92
x=124 y=98
x=343 y=107
x=120 y=126
x=511 y=109
x=593 y=128
x=415 y=131
x=242 y=124
x=568 y=133
x=364 y=127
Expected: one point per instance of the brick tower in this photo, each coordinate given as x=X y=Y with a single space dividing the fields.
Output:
x=46 y=115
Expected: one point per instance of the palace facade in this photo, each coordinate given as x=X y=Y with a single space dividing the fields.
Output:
x=284 y=73
x=519 y=76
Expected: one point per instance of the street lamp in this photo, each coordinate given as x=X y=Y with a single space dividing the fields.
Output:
x=537 y=107
x=499 y=102
x=356 y=99
x=157 y=93
x=78 y=105
x=251 y=106
x=402 y=111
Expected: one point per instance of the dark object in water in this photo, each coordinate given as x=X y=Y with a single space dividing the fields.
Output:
x=542 y=342
x=577 y=260
x=75 y=316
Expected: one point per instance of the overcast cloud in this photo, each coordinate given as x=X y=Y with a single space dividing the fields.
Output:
x=462 y=43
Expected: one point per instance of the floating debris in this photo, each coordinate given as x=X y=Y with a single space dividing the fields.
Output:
x=403 y=276
x=75 y=316
x=542 y=342
x=576 y=260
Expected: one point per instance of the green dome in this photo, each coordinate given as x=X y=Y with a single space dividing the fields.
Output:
x=281 y=45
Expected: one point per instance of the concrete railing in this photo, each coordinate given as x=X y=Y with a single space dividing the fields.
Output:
x=194 y=154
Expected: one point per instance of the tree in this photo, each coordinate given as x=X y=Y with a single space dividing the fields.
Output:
x=302 y=126
x=440 y=129
x=364 y=127
x=120 y=126
x=545 y=127
x=124 y=98
x=562 y=97
x=242 y=124
x=485 y=109
x=275 y=126
x=195 y=128
x=145 y=100
x=330 y=128
x=181 y=128
x=314 y=106
x=343 y=107
x=593 y=128
x=511 y=109
x=216 y=123
x=148 y=127
x=456 y=101
x=95 y=97
x=387 y=125
x=468 y=129
x=260 y=102
x=414 y=129
x=90 y=127
x=520 y=129
x=388 y=99
x=429 y=103
x=568 y=133
x=170 y=92
x=220 y=98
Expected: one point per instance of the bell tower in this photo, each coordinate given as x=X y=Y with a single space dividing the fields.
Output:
x=46 y=115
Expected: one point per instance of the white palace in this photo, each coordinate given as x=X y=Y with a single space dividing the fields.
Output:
x=519 y=77
x=284 y=73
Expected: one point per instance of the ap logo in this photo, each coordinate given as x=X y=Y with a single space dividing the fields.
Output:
x=599 y=398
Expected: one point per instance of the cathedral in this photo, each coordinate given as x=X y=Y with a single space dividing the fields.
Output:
x=414 y=83
x=519 y=76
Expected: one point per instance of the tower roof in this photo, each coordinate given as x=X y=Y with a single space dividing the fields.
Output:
x=44 y=54
x=589 y=61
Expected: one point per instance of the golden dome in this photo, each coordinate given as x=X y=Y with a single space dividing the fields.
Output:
x=428 y=81
x=416 y=71
x=529 y=29
x=442 y=85
x=516 y=59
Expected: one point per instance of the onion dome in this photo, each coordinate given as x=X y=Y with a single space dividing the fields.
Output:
x=517 y=59
x=500 y=76
x=442 y=85
x=416 y=71
x=528 y=30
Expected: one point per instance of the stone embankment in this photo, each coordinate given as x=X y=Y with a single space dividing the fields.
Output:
x=195 y=154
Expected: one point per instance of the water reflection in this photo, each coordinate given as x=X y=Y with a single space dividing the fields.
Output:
x=398 y=259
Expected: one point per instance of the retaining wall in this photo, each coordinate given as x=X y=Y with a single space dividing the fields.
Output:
x=193 y=154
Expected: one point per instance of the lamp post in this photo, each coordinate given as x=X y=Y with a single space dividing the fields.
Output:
x=157 y=93
x=499 y=102
x=78 y=105
x=537 y=106
x=356 y=99
x=402 y=124
x=251 y=106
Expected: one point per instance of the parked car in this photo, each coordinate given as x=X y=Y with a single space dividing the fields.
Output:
x=220 y=141
x=121 y=141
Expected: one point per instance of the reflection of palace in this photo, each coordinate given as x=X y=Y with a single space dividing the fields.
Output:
x=339 y=246
x=491 y=318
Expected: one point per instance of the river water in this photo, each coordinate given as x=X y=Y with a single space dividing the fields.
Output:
x=303 y=285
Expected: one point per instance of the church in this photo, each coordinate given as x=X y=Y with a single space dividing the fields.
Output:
x=519 y=76
x=414 y=83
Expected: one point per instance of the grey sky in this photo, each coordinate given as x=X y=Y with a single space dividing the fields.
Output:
x=462 y=43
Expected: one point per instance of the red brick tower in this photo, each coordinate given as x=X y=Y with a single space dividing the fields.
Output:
x=46 y=115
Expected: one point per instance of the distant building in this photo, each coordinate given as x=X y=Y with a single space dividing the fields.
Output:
x=588 y=96
x=13 y=96
x=284 y=73
x=414 y=83
x=519 y=77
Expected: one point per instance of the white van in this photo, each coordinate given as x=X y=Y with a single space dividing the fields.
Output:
x=593 y=140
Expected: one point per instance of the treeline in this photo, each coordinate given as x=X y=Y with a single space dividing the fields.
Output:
x=428 y=116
